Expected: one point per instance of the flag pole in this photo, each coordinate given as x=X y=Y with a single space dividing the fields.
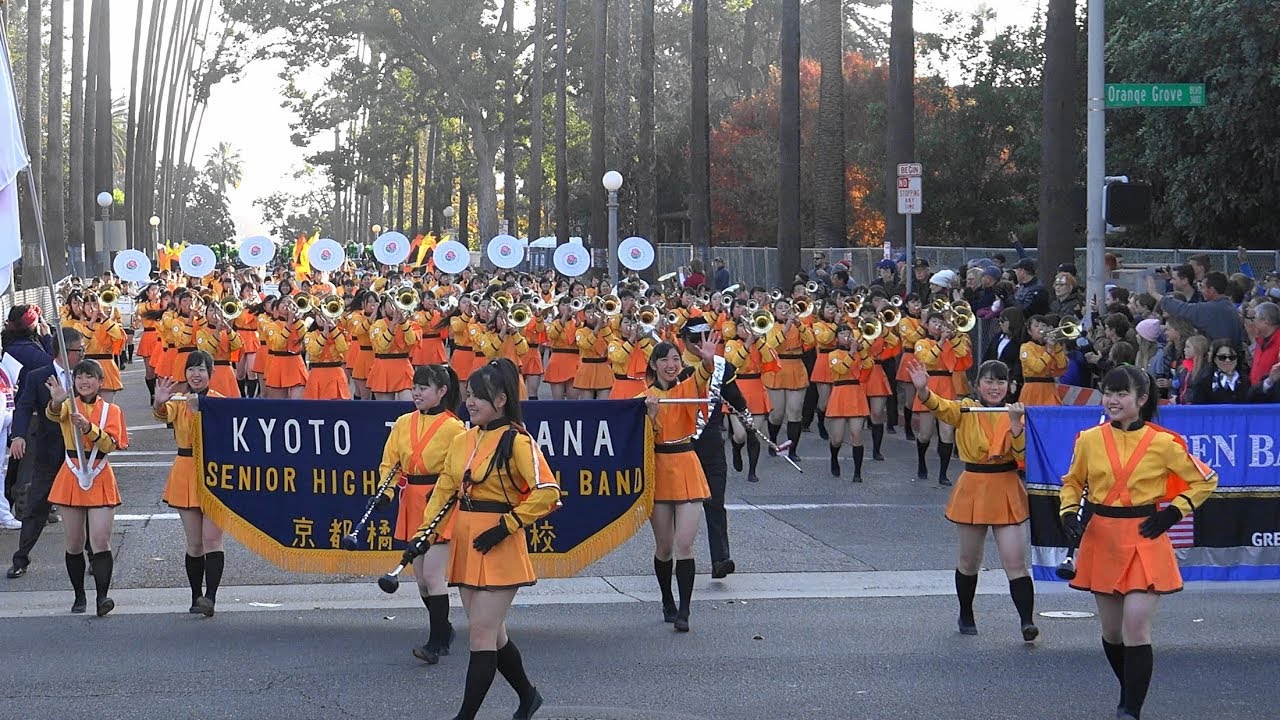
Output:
x=34 y=198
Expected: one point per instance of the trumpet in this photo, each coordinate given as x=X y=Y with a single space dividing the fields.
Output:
x=896 y=301
x=107 y=298
x=332 y=307
x=611 y=305
x=231 y=309
x=762 y=322
x=871 y=329
x=475 y=296
x=775 y=296
x=1068 y=329
x=803 y=307
x=647 y=316
x=406 y=300
x=940 y=305
x=520 y=315
x=303 y=304
x=962 y=322
x=673 y=318
x=853 y=306
x=447 y=304
x=889 y=317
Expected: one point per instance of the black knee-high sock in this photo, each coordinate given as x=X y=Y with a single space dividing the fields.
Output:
x=922 y=468
x=822 y=424
x=511 y=666
x=1138 y=661
x=737 y=455
x=662 y=570
x=438 y=613
x=753 y=453
x=966 y=588
x=858 y=453
x=793 y=434
x=835 y=460
x=773 y=432
x=195 y=576
x=1023 y=593
x=877 y=437
x=101 y=564
x=906 y=418
x=944 y=458
x=480 y=671
x=151 y=389
x=254 y=387
x=75 y=571
x=213 y=565
x=1115 y=657
x=684 y=581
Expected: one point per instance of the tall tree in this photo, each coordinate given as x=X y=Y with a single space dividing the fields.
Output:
x=510 y=198
x=32 y=268
x=1056 y=234
x=562 y=125
x=533 y=184
x=131 y=133
x=901 y=141
x=415 y=166
x=599 y=96
x=830 y=188
x=75 y=139
x=646 y=152
x=700 y=133
x=54 y=170
x=747 y=70
x=224 y=167
x=789 y=142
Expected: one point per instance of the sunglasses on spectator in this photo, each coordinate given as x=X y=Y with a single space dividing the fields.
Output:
x=1225 y=357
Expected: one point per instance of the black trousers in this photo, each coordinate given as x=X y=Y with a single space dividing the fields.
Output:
x=35 y=507
x=710 y=450
x=809 y=358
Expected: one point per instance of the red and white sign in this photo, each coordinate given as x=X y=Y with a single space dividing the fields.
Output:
x=910 y=170
x=910 y=196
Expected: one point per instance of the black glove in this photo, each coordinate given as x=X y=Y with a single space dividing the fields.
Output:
x=1158 y=524
x=1072 y=526
x=486 y=540
x=417 y=547
x=383 y=502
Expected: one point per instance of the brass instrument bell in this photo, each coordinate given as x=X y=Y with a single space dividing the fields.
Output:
x=762 y=322
x=520 y=315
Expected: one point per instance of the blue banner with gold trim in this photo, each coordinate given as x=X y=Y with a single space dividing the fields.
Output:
x=289 y=478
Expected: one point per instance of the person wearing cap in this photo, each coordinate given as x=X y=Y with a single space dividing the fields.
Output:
x=1031 y=296
x=887 y=278
x=1216 y=316
x=921 y=287
x=720 y=275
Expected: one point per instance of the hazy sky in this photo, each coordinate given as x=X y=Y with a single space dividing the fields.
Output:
x=248 y=115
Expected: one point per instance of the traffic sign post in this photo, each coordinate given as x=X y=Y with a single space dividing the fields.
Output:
x=910 y=200
x=1131 y=95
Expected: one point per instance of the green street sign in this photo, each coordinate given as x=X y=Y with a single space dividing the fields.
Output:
x=1125 y=95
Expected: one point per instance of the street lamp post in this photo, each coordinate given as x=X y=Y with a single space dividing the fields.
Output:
x=155 y=233
x=377 y=230
x=102 y=254
x=448 y=219
x=612 y=182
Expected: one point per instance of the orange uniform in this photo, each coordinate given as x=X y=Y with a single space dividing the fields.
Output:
x=284 y=343
x=563 y=364
x=594 y=372
x=222 y=344
x=180 y=489
x=1039 y=368
x=989 y=491
x=106 y=434
x=419 y=443
x=327 y=379
x=678 y=475
x=391 y=371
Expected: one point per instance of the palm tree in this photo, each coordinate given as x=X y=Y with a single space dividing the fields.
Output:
x=700 y=133
x=1055 y=238
x=76 y=220
x=789 y=142
x=225 y=167
x=901 y=143
x=33 y=268
x=829 y=194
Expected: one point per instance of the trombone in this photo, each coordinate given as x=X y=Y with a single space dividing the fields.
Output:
x=520 y=315
x=762 y=322
x=1068 y=329
x=332 y=307
x=870 y=330
x=803 y=307
x=889 y=317
x=303 y=304
x=406 y=300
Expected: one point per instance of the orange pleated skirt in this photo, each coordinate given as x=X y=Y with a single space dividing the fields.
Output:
x=286 y=371
x=848 y=400
x=413 y=505
x=178 y=370
x=531 y=363
x=625 y=388
x=390 y=374
x=790 y=376
x=1114 y=559
x=988 y=499
x=149 y=344
x=180 y=490
x=562 y=367
x=364 y=363
x=821 y=368
x=250 y=341
x=428 y=351
x=327 y=382
x=163 y=361
x=66 y=491
x=503 y=567
x=678 y=477
x=223 y=379
x=877 y=383
x=593 y=375
x=903 y=375
x=1039 y=393
x=462 y=362
x=754 y=393
x=261 y=362
x=111 y=372
x=941 y=384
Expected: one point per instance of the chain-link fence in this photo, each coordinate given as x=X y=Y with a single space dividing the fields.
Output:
x=39 y=297
x=760 y=266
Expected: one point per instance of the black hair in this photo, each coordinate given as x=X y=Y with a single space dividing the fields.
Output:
x=1127 y=378
x=199 y=358
x=661 y=350
x=1186 y=272
x=440 y=376
x=1217 y=281
x=499 y=377
x=995 y=370
x=1122 y=353
x=92 y=368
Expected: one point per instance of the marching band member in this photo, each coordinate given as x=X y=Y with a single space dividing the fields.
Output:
x=989 y=492
x=789 y=338
x=629 y=356
x=531 y=366
x=286 y=372
x=883 y=351
x=267 y=322
x=1128 y=466
x=429 y=349
x=246 y=326
x=183 y=325
x=824 y=336
x=679 y=482
x=750 y=354
x=497 y=474
x=942 y=352
x=562 y=366
x=462 y=328
x=418 y=446
x=205 y=557
x=849 y=364
x=361 y=314
x=98 y=427
x=910 y=331
x=391 y=375
x=1043 y=360
x=221 y=342
x=326 y=345
x=105 y=336
x=594 y=376
x=148 y=304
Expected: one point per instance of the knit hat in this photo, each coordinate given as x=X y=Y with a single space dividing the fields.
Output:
x=887 y=264
x=1150 y=329
x=944 y=278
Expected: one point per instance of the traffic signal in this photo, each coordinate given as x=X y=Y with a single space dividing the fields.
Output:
x=1127 y=203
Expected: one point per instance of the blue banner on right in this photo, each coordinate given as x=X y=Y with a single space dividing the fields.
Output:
x=1235 y=535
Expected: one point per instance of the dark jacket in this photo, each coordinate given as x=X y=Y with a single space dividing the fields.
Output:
x=1072 y=305
x=33 y=355
x=1009 y=357
x=1032 y=298
x=31 y=423
x=1260 y=394
x=1205 y=390
x=1218 y=319
x=722 y=280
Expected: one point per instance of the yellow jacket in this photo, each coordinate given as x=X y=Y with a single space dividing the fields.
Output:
x=982 y=438
x=409 y=432
x=1091 y=466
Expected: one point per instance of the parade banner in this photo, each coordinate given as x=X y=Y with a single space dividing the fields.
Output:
x=289 y=478
x=1234 y=535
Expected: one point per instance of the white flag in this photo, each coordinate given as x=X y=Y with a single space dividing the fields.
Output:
x=13 y=158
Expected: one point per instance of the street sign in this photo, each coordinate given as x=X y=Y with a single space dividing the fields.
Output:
x=910 y=196
x=910 y=170
x=1122 y=95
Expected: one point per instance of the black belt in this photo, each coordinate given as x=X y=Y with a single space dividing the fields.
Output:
x=100 y=357
x=431 y=337
x=186 y=452
x=991 y=468
x=616 y=376
x=1123 y=511
x=147 y=330
x=939 y=373
x=185 y=349
x=366 y=347
x=392 y=356
x=223 y=363
x=673 y=448
x=283 y=353
x=791 y=356
x=315 y=365
x=485 y=506
x=747 y=376
x=1037 y=380
x=594 y=360
x=71 y=454
x=422 y=479
x=466 y=348
x=566 y=351
x=840 y=383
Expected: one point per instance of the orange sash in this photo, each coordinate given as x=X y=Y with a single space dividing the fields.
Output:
x=418 y=443
x=1119 y=493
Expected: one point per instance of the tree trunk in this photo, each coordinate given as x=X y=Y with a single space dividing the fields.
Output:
x=75 y=137
x=485 y=152
x=32 y=266
x=624 y=137
x=415 y=185
x=148 y=117
x=464 y=214
x=91 y=189
x=599 y=93
x=789 y=143
x=533 y=184
x=829 y=203
x=54 y=169
x=747 y=72
x=646 y=152
x=433 y=182
x=562 y=133
x=1056 y=234
x=901 y=144
x=699 y=136
x=137 y=226
x=510 y=198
